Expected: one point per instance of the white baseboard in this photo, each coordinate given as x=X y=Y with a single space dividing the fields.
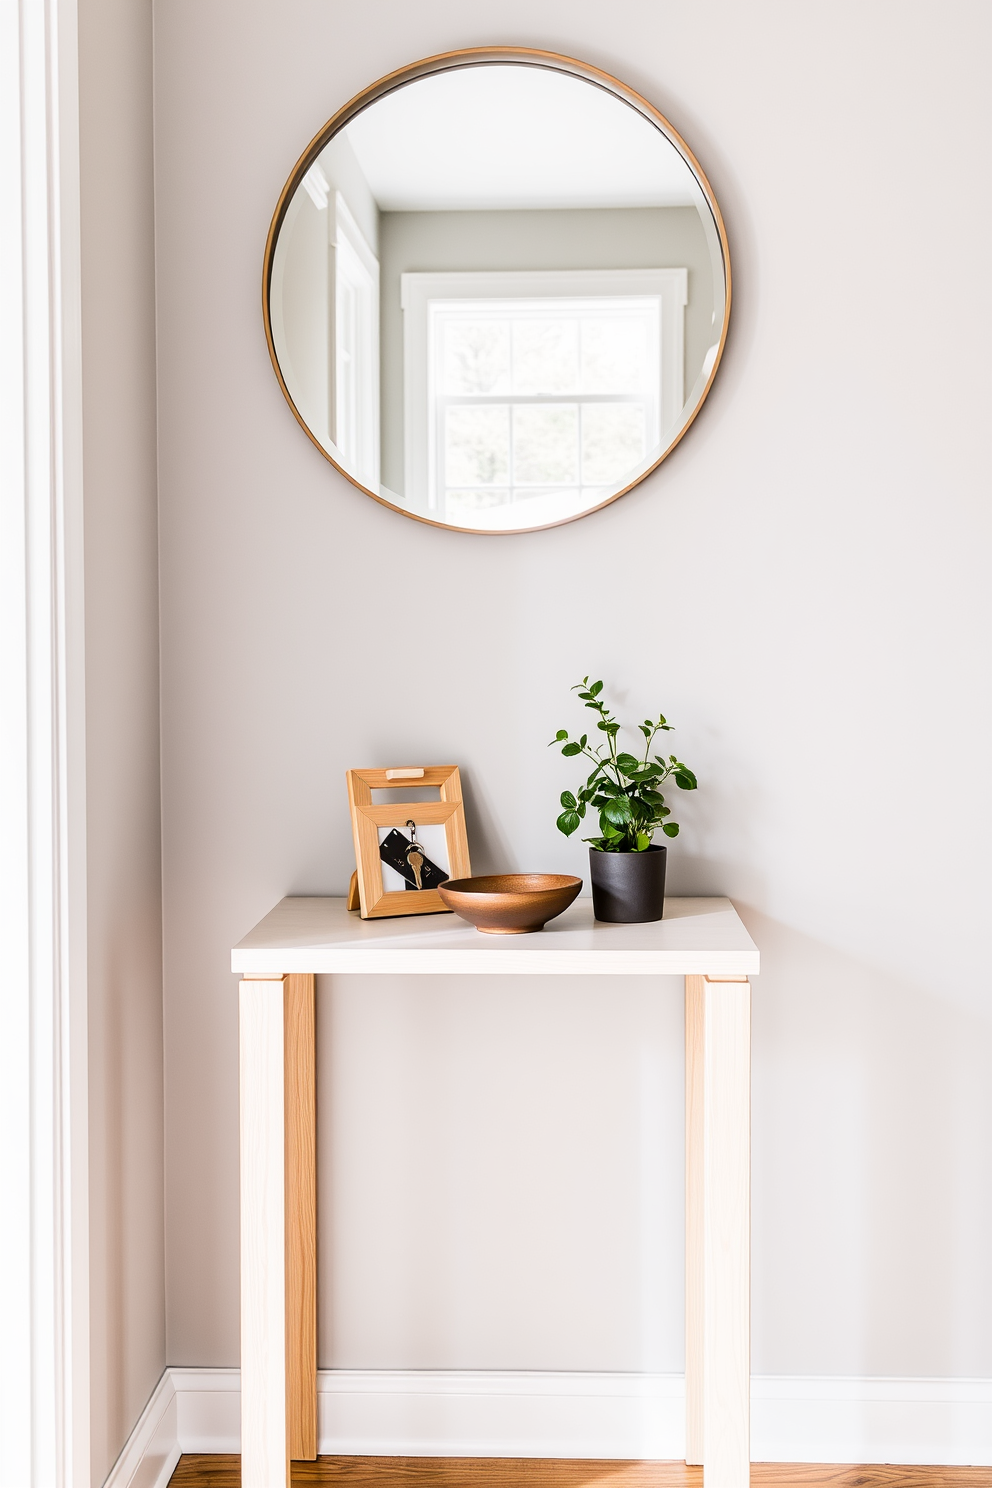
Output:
x=925 y=1421
x=428 y=1413
x=434 y=1413
x=152 y=1450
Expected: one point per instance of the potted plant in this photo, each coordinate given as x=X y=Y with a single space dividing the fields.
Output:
x=627 y=869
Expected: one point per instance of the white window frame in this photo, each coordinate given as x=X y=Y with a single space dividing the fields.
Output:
x=420 y=292
x=354 y=391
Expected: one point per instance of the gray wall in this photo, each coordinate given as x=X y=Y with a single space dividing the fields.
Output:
x=807 y=604
x=635 y=238
x=124 y=924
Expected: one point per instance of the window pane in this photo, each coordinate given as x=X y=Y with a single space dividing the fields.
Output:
x=545 y=444
x=477 y=446
x=615 y=355
x=612 y=441
x=560 y=493
x=476 y=356
x=473 y=501
x=545 y=355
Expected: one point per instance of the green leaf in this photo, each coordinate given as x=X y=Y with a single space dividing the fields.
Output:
x=617 y=811
x=624 y=790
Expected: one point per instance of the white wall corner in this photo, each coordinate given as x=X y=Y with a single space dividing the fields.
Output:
x=152 y=1450
x=469 y=1413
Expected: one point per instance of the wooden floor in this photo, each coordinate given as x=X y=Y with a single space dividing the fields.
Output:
x=529 y=1472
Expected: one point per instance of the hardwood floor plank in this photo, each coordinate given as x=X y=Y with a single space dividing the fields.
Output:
x=865 y=1475
x=531 y=1472
x=497 y=1472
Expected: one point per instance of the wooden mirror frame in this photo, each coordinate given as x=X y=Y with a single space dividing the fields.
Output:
x=449 y=62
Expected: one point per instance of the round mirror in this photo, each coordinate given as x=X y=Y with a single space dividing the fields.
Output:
x=496 y=290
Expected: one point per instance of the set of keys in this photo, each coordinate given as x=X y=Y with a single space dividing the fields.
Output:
x=414 y=855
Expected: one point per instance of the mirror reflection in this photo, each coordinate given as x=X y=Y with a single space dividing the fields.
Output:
x=497 y=295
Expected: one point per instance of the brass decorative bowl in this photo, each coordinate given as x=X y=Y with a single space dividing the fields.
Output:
x=510 y=903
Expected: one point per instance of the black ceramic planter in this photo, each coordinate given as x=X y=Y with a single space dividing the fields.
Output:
x=628 y=888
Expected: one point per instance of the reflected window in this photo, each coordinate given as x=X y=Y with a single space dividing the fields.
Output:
x=549 y=396
x=540 y=398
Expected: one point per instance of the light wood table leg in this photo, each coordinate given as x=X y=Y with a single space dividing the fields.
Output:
x=718 y=1140
x=694 y=1220
x=278 y=1228
x=301 y=1217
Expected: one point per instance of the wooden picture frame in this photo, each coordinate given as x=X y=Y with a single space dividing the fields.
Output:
x=377 y=902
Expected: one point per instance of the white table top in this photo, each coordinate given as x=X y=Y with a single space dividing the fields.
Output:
x=696 y=937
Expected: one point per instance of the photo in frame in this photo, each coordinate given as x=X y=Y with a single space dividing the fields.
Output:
x=405 y=847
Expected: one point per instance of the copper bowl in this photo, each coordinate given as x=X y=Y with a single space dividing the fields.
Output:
x=510 y=903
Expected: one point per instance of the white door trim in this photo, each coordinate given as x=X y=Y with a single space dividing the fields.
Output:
x=44 y=1260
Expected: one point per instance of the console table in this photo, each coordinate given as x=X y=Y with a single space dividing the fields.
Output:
x=700 y=939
